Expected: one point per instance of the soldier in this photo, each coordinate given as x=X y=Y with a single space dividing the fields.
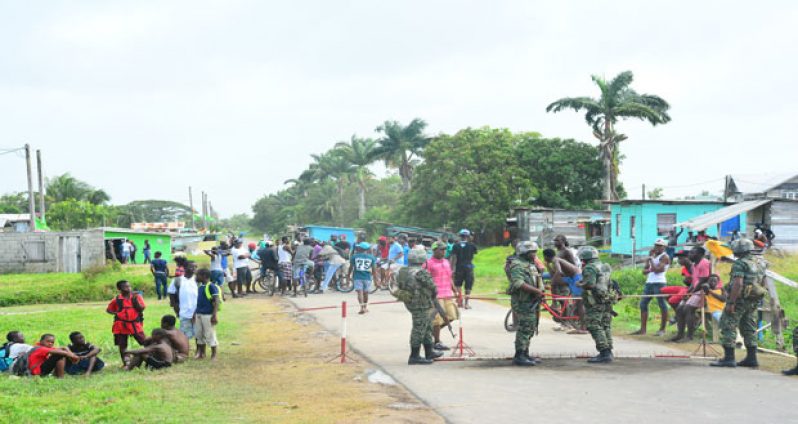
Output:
x=598 y=298
x=793 y=371
x=526 y=291
x=419 y=294
x=744 y=292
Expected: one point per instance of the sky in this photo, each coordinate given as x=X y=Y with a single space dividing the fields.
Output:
x=146 y=98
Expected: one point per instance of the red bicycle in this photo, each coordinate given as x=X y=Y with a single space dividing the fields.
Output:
x=563 y=311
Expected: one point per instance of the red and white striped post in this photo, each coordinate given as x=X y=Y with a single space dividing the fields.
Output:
x=343 y=332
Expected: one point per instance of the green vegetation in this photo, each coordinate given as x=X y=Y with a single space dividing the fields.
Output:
x=490 y=280
x=95 y=284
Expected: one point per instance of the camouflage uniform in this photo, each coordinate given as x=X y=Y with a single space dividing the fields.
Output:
x=418 y=294
x=597 y=297
x=795 y=339
x=524 y=304
x=745 y=308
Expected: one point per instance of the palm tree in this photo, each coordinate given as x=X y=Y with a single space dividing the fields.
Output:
x=65 y=187
x=331 y=165
x=401 y=147
x=617 y=101
x=360 y=153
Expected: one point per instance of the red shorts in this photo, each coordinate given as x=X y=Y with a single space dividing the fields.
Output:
x=677 y=294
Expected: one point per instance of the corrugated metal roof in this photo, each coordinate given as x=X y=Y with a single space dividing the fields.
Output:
x=760 y=183
x=707 y=220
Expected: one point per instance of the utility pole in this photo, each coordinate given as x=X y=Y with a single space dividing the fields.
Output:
x=31 y=201
x=726 y=190
x=204 y=221
x=191 y=206
x=41 y=184
x=644 y=192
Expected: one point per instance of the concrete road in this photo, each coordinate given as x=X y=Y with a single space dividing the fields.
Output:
x=560 y=390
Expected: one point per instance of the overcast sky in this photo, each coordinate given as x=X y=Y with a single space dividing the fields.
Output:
x=145 y=98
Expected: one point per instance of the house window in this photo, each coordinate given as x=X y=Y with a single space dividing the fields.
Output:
x=793 y=195
x=617 y=225
x=34 y=251
x=632 y=232
x=665 y=223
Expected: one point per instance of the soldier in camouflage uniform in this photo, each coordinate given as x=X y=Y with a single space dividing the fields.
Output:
x=598 y=298
x=744 y=293
x=526 y=291
x=417 y=290
x=793 y=371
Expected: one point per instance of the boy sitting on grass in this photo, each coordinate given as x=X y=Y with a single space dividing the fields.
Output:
x=174 y=337
x=44 y=359
x=88 y=361
x=156 y=355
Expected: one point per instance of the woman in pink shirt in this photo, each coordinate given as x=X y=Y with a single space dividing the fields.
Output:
x=440 y=269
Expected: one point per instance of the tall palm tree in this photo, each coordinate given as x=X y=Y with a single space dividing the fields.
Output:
x=65 y=187
x=401 y=147
x=360 y=153
x=617 y=101
x=332 y=165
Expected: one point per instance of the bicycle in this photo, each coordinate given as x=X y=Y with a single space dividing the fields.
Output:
x=267 y=282
x=560 y=315
x=304 y=283
x=382 y=285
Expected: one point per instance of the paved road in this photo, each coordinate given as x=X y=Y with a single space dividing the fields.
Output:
x=559 y=390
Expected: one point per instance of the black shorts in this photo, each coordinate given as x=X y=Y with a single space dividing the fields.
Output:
x=156 y=364
x=121 y=339
x=49 y=364
x=464 y=275
x=243 y=275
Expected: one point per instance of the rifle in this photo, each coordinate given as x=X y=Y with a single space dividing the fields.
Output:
x=439 y=311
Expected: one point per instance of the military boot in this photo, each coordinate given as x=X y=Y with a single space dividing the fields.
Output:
x=728 y=359
x=522 y=360
x=430 y=353
x=603 y=357
x=793 y=371
x=535 y=360
x=415 y=358
x=750 y=359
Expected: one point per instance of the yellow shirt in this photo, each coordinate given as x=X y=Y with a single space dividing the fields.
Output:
x=714 y=304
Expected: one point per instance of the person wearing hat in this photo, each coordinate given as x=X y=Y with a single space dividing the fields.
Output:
x=744 y=293
x=656 y=266
x=526 y=291
x=462 y=259
x=418 y=292
x=361 y=270
x=598 y=298
x=441 y=272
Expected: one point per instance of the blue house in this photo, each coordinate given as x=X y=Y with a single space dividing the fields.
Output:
x=323 y=233
x=637 y=224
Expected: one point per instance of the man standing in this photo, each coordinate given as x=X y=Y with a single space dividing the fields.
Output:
x=363 y=267
x=396 y=253
x=441 y=271
x=205 y=318
x=598 y=299
x=526 y=291
x=417 y=290
x=147 y=249
x=243 y=274
x=160 y=271
x=127 y=309
x=125 y=250
x=183 y=298
x=656 y=266
x=463 y=265
x=302 y=261
x=744 y=293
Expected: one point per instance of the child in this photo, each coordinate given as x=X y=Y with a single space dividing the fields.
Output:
x=716 y=300
x=127 y=309
x=87 y=355
x=363 y=267
x=205 y=319
x=44 y=359
x=159 y=354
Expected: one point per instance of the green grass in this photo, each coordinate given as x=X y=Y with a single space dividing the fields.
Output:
x=93 y=285
x=110 y=395
x=490 y=280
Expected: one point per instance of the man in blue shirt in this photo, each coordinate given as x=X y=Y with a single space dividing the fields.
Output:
x=160 y=270
x=396 y=253
x=363 y=266
x=205 y=319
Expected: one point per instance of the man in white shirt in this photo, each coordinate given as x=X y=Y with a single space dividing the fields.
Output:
x=126 y=247
x=243 y=274
x=183 y=297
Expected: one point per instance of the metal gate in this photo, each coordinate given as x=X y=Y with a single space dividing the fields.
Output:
x=69 y=254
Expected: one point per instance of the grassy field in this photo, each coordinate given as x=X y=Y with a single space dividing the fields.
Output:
x=490 y=280
x=271 y=369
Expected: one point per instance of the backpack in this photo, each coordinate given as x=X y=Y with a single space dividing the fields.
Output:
x=507 y=262
x=5 y=361
x=21 y=365
x=210 y=297
x=604 y=290
x=120 y=304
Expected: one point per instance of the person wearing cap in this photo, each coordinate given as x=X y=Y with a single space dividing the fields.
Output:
x=526 y=291
x=657 y=265
x=361 y=270
x=441 y=271
x=462 y=259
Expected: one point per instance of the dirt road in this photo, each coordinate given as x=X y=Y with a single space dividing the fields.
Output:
x=559 y=390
